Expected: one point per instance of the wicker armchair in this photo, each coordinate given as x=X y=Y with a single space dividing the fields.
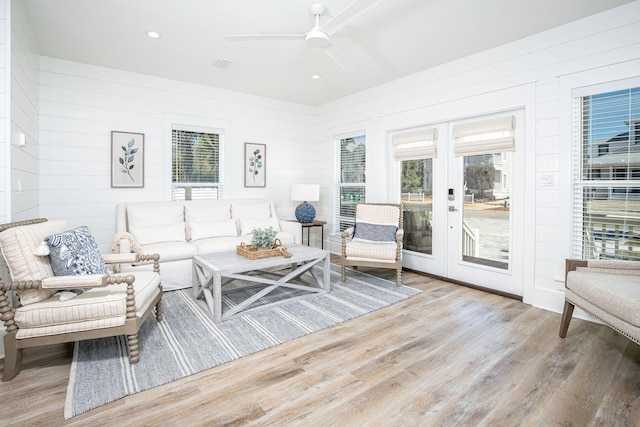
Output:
x=375 y=240
x=109 y=304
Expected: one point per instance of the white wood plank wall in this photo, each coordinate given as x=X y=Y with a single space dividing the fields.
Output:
x=79 y=105
x=25 y=162
x=604 y=46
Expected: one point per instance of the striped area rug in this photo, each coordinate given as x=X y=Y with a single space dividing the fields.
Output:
x=188 y=341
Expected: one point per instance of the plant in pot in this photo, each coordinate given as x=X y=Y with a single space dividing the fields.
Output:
x=263 y=238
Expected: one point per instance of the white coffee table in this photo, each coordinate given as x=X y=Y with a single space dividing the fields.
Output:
x=213 y=271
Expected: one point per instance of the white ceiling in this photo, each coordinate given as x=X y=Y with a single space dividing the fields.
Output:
x=392 y=39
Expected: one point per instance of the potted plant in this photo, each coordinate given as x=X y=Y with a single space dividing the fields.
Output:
x=263 y=238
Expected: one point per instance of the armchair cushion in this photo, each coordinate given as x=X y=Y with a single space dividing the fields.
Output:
x=365 y=251
x=368 y=232
x=617 y=294
x=18 y=247
x=102 y=307
x=75 y=252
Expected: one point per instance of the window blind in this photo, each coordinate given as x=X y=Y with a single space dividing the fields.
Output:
x=415 y=144
x=484 y=136
x=606 y=175
x=196 y=169
x=350 y=180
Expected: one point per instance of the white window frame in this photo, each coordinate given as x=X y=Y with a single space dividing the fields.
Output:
x=577 y=183
x=200 y=185
x=339 y=185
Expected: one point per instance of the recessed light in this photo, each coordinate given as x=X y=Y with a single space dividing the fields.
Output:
x=315 y=76
x=153 y=34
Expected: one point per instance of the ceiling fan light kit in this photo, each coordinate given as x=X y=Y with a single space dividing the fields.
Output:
x=317 y=38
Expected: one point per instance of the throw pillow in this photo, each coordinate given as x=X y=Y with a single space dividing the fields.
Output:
x=75 y=252
x=247 y=225
x=146 y=235
x=367 y=232
x=208 y=229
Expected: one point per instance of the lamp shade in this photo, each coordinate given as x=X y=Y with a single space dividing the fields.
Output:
x=305 y=192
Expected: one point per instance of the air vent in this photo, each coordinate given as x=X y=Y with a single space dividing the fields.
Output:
x=221 y=63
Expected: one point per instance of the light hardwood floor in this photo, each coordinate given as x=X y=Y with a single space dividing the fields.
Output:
x=449 y=356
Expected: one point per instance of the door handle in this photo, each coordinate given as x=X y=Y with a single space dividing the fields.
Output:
x=452 y=209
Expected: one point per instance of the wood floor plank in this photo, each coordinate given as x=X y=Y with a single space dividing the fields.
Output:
x=448 y=356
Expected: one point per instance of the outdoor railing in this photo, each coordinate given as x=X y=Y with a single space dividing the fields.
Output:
x=608 y=237
x=412 y=197
x=470 y=241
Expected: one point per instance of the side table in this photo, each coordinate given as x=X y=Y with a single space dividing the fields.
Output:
x=308 y=226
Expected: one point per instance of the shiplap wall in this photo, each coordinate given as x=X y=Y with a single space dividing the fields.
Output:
x=80 y=105
x=600 y=48
x=25 y=196
x=5 y=117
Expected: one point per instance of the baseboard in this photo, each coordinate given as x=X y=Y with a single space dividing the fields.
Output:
x=468 y=285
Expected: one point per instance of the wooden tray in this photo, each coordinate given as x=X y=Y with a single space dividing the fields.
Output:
x=251 y=252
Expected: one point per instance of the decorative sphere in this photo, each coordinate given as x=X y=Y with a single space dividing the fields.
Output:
x=305 y=212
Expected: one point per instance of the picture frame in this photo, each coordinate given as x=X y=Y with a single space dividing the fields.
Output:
x=127 y=159
x=255 y=165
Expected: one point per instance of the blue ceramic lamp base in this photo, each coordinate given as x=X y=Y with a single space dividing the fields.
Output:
x=305 y=212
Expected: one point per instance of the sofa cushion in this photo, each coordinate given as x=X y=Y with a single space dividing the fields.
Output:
x=617 y=294
x=74 y=252
x=253 y=209
x=217 y=244
x=215 y=228
x=148 y=234
x=206 y=210
x=18 y=246
x=171 y=251
x=145 y=215
x=97 y=308
x=247 y=225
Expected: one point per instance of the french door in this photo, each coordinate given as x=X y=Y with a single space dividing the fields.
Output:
x=463 y=213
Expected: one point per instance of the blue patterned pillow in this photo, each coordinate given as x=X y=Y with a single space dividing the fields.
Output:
x=75 y=252
x=368 y=232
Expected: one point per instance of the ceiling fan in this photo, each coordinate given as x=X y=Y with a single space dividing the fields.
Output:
x=319 y=35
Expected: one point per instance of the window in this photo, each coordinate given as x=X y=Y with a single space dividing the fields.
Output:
x=196 y=169
x=606 y=183
x=350 y=180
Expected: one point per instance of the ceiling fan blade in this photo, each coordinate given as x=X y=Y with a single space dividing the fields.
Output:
x=348 y=14
x=243 y=37
x=339 y=57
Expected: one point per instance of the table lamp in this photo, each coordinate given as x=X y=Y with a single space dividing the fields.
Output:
x=305 y=212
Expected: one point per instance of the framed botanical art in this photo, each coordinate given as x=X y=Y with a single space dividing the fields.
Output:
x=255 y=165
x=127 y=159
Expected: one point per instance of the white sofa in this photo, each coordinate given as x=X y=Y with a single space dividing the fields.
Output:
x=178 y=230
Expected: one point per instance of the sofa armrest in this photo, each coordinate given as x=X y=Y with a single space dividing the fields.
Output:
x=125 y=243
x=292 y=227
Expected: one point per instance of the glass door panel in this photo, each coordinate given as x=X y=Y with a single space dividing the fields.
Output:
x=417 y=199
x=486 y=210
